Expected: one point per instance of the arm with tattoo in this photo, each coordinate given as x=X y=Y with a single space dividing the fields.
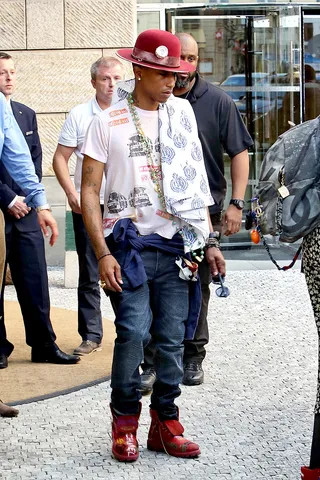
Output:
x=92 y=173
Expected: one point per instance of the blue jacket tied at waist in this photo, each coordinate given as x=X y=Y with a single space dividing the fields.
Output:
x=126 y=237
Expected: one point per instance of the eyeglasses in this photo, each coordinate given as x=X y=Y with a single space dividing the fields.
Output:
x=221 y=291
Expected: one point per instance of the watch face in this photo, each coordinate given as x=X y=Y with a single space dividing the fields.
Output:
x=238 y=203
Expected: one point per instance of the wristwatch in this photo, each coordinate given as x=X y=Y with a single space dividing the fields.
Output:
x=237 y=203
x=46 y=206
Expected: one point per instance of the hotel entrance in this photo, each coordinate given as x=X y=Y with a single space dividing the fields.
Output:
x=267 y=58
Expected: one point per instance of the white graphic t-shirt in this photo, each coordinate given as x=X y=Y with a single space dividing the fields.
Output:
x=112 y=138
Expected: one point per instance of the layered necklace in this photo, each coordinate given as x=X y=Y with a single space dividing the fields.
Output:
x=155 y=173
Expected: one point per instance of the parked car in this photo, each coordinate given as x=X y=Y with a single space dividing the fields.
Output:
x=264 y=98
x=238 y=81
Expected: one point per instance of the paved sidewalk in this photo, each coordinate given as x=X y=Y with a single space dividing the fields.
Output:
x=252 y=417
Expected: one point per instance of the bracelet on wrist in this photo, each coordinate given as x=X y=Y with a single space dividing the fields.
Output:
x=213 y=242
x=213 y=246
x=216 y=234
x=104 y=255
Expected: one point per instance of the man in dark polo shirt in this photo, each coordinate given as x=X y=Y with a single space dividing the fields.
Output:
x=221 y=129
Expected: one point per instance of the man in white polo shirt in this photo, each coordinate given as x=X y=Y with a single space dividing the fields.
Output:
x=105 y=73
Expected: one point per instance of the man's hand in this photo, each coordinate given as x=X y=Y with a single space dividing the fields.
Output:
x=19 y=209
x=110 y=273
x=231 y=220
x=46 y=219
x=216 y=261
x=74 y=202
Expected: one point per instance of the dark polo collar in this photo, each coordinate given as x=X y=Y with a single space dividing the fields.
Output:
x=199 y=88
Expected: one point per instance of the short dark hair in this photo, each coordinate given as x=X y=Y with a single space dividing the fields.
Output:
x=309 y=73
x=5 y=56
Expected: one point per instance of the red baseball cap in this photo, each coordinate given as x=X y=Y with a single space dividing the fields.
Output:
x=157 y=49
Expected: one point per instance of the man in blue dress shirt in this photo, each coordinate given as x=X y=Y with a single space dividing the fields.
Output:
x=15 y=156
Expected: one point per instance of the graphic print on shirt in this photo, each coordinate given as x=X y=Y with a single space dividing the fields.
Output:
x=139 y=198
x=190 y=173
x=157 y=147
x=197 y=202
x=178 y=184
x=185 y=122
x=167 y=154
x=137 y=148
x=122 y=94
x=145 y=172
x=116 y=113
x=170 y=110
x=116 y=202
x=180 y=140
x=188 y=234
x=204 y=185
x=196 y=152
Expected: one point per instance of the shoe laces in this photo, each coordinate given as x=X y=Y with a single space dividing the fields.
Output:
x=193 y=366
x=149 y=371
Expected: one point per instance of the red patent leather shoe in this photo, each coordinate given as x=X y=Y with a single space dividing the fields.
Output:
x=167 y=437
x=310 y=474
x=125 y=446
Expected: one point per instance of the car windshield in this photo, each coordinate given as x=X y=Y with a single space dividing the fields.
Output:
x=239 y=80
x=234 y=81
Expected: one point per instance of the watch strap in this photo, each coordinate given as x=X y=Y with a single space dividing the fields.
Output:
x=46 y=206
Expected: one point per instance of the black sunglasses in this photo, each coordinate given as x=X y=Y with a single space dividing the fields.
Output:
x=221 y=291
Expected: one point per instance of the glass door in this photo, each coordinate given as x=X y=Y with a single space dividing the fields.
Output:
x=311 y=36
x=254 y=55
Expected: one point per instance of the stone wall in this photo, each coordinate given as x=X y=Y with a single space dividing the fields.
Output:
x=53 y=44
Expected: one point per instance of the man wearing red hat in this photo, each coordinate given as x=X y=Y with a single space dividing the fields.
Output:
x=155 y=224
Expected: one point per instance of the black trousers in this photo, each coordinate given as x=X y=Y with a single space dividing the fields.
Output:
x=194 y=350
x=89 y=312
x=26 y=257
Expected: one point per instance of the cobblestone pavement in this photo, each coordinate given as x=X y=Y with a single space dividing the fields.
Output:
x=252 y=417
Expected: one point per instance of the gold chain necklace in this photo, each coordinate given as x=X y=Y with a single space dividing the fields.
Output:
x=155 y=174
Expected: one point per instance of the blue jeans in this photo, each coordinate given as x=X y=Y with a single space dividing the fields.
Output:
x=159 y=306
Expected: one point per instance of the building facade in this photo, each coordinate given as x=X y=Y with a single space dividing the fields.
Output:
x=53 y=44
x=265 y=55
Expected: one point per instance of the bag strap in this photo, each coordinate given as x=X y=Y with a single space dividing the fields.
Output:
x=266 y=246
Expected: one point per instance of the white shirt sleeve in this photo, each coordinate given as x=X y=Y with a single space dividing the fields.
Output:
x=13 y=202
x=97 y=140
x=69 y=134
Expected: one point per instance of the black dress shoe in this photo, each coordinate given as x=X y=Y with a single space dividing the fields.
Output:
x=193 y=373
x=3 y=361
x=148 y=377
x=53 y=356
